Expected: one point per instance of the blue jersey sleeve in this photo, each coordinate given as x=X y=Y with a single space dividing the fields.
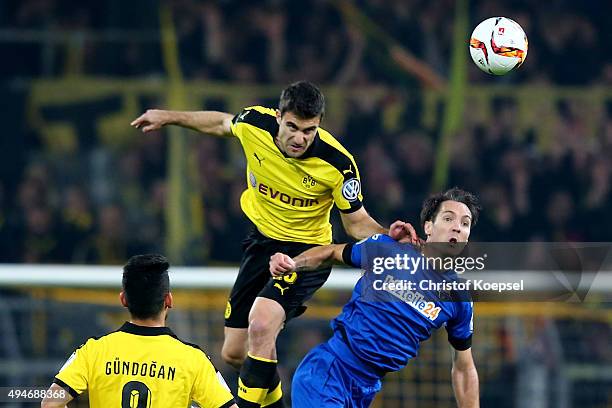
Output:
x=352 y=252
x=461 y=326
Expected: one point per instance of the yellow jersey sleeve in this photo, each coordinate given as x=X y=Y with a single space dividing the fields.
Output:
x=210 y=389
x=239 y=126
x=74 y=374
x=347 y=190
x=236 y=130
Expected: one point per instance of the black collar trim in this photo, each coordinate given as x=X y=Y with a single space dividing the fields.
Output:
x=310 y=152
x=146 y=330
x=312 y=149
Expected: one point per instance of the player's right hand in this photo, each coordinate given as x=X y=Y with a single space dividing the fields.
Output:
x=404 y=232
x=152 y=119
x=281 y=264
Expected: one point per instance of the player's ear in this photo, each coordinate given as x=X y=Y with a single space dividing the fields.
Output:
x=123 y=299
x=428 y=227
x=168 y=300
x=278 y=116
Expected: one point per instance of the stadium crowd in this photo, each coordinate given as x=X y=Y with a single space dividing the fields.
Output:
x=277 y=41
x=555 y=192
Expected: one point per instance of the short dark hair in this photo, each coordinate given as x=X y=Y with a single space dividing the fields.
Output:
x=302 y=98
x=146 y=283
x=432 y=204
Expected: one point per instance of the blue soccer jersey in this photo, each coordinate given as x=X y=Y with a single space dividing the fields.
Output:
x=387 y=316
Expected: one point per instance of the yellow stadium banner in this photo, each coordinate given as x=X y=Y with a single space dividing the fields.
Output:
x=182 y=225
x=455 y=96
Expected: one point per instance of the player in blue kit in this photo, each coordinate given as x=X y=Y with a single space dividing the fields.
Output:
x=387 y=317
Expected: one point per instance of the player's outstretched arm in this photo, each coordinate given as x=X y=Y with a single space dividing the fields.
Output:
x=57 y=397
x=208 y=122
x=309 y=260
x=360 y=225
x=465 y=379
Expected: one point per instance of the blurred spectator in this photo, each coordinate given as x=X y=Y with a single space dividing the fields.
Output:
x=561 y=218
x=596 y=213
x=152 y=230
x=42 y=240
x=77 y=216
x=227 y=226
x=109 y=245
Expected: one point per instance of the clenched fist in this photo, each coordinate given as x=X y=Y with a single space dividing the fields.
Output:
x=281 y=264
x=404 y=232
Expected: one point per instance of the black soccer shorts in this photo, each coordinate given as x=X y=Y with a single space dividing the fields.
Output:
x=254 y=279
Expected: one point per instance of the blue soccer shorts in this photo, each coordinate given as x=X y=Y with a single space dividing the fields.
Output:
x=323 y=381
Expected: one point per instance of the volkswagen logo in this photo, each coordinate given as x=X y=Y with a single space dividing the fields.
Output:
x=351 y=189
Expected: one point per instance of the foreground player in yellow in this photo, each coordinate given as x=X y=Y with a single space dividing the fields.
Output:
x=296 y=172
x=143 y=364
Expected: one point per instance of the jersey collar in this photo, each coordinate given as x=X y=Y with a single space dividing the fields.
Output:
x=312 y=148
x=132 y=328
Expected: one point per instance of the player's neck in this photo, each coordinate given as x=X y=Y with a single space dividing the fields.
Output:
x=158 y=321
x=428 y=250
x=278 y=145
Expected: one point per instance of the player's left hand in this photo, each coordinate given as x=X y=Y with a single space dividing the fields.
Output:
x=281 y=264
x=404 y=232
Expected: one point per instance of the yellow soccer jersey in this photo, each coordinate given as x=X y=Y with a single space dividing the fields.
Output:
x=290 y=199
x=144 y=367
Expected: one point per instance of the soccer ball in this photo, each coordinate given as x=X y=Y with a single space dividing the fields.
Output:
x=498 y=45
